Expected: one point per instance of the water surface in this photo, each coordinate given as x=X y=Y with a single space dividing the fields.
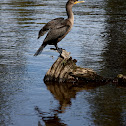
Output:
x=97 y=40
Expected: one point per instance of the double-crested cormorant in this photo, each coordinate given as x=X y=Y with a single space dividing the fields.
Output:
x=58 y=28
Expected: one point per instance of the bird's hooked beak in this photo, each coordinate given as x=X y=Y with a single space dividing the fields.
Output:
x=78 y=2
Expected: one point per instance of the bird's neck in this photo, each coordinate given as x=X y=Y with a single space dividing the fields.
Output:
x=70 y=13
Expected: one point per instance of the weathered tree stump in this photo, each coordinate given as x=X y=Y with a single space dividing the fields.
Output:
x=65 y=69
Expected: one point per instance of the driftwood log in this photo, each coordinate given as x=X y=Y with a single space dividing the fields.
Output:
x=65 y=69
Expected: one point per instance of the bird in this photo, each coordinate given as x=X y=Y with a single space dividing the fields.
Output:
x=57 y=28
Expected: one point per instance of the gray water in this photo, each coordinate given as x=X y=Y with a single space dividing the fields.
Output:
x=97 y=40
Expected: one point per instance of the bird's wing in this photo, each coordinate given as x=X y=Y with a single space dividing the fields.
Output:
x=57 y=33
x=51 y=24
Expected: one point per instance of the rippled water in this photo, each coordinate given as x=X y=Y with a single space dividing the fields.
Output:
x=97 y=40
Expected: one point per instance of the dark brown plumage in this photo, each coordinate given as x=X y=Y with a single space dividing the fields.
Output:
x=58 y=28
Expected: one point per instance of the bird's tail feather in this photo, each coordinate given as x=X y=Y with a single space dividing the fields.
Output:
x=39 y=50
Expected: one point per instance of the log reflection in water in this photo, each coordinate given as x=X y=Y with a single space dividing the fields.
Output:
x=63 y=92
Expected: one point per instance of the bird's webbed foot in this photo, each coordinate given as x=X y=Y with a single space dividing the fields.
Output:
x=59 y=49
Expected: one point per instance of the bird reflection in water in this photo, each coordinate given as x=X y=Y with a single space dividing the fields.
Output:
x=52 y=120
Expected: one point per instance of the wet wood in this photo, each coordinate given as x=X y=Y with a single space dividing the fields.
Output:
x=65 y=69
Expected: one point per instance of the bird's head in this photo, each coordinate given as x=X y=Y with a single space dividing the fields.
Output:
x=74 y=1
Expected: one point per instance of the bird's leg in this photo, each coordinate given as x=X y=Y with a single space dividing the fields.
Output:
x=58 y=49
